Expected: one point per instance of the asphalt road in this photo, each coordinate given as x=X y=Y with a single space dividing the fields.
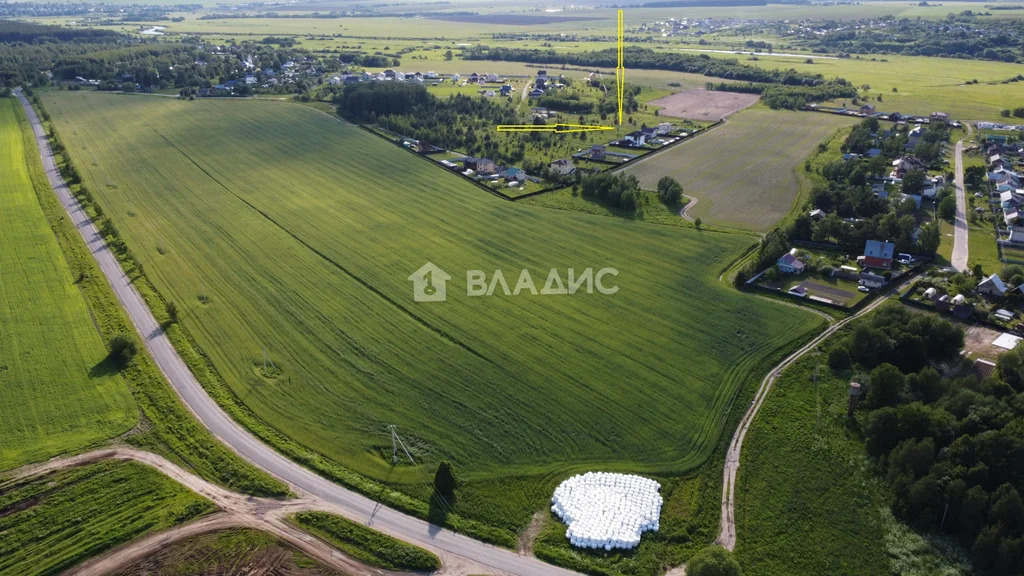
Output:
x=959 y=259
x=353 y=505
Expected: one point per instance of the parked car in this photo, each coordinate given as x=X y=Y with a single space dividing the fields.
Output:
x=863 y=288
x=904 y=258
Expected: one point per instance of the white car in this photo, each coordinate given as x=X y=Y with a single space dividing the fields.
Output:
x=863 y=288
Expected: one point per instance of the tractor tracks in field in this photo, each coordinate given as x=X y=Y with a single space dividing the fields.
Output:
x=340 y=267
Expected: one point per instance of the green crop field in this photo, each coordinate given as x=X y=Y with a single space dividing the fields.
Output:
x=301 y=231
x=743 y=174
x=57 y=392
x=52 y=522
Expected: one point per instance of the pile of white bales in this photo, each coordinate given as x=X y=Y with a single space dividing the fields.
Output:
x=607 y=510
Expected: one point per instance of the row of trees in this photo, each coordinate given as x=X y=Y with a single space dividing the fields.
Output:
x=645 y=58
x=950 y=448
x=459 y=121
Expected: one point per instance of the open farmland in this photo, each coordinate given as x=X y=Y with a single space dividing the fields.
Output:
x=274 y=226
x=57 y=391
x=743 y=174
x=52 y=522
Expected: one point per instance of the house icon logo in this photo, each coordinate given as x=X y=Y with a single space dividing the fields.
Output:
x=428 y=283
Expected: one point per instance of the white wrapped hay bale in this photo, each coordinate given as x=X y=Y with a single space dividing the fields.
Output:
x=607 y=510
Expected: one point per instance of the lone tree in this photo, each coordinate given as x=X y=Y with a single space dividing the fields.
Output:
x=122 y=349
x=713 y=561
x=670 y=191
x=697 y=223
x=444 y=480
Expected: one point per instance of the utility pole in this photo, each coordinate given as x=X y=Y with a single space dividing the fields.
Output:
x=395 y=443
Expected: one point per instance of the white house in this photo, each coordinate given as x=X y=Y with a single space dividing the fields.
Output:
x=334 y=80
x=636 y=138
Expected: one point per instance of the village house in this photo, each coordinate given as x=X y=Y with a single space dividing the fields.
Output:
x=939 y=117
x=492 y=77
x=867 y=109
x=878 y=254
x=536 y=93
x=790 y=264
x=506 y=90
x=817 y=214
x=473 y=78
x=991 y=286
x=905 y=164
x=513 y=173
x=637 y=139
x=563 y=167
x=481 y=165
x=872 y=280
x=597 y=151
x=334 y=80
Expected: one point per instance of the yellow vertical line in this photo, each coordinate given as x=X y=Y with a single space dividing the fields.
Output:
x=620 y=72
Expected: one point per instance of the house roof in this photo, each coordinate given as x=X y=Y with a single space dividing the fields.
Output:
x=636 y=135
x=879 y=249
x=790 y=260
x=994 y=281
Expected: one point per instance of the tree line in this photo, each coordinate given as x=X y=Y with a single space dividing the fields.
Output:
x=645 y=58
x=951 y=448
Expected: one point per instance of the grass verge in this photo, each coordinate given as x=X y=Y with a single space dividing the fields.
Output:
x=367 y=545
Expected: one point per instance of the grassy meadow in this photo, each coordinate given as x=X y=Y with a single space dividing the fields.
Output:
x=807 y=499
x=275 y=227
x=58 y=392
x=743 y=174
x=50 y=523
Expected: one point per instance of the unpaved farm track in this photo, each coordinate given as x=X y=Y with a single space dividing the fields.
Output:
x=455 y=550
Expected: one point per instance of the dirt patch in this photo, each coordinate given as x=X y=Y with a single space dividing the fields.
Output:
x=700 y=104
x=836 y=294
x=978 y=341
x=529 y=534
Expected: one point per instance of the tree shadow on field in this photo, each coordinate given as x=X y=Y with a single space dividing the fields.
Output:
x=440 y=506
x=109 y=366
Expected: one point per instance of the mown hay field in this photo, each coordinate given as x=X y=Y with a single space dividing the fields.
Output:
x=276 y=227
x=744 y=173
x=57 y=392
